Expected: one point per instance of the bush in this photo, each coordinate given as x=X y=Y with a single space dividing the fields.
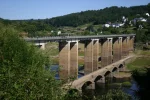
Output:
x=22 y=71
x=115 y=95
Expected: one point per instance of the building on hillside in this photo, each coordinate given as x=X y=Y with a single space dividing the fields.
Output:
x=59 y=32
x=117 y=25
x=147 y=14
x=106 y=25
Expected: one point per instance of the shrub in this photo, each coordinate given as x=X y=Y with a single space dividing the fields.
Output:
x=22 y=71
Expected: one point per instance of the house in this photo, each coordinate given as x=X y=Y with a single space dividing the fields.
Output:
x=59 y=32
x=117 y=25
x=147 y=14
x=106 y=25
x=140 y=19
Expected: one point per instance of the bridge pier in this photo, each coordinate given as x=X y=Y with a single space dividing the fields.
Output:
x=110 y=50
x=68 y=60
x=117 y=49
x=125 y=46
x=106 y=52
x=74 y=59
x=88 y=57
x=95 y=54
x=64 y=60
x=120 y=48
x=131 y=43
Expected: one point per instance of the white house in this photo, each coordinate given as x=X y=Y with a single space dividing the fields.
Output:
x=147 y=14
x=59 y=32
x=106 y=25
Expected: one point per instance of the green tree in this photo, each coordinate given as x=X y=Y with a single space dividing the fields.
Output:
x=22 y=71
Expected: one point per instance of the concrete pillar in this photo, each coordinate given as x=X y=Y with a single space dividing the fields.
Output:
x=117 y=48
x=132 y=43
x=128 y=46
x=74 y=60
x=109 y=51
x=125 y=49
x=64 y=60
x=120 y=48
x=104 y=53
x=88 y=57
x=95 y=54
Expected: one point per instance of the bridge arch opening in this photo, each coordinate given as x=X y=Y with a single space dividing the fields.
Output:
x=121 y=67
x=114 y=72
x=115 y=69
x=87 y=85
x=99 y=77
x=87 y=90
x=108 y=77
x=108 y=73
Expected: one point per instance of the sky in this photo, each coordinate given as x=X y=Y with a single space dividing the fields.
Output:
x=41 y=9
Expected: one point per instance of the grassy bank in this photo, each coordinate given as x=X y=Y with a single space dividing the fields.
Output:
x=142 y=60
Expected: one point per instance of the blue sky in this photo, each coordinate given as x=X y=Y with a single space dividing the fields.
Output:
x=41 y=9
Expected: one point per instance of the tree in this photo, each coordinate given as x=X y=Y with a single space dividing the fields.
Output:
x=22 y=71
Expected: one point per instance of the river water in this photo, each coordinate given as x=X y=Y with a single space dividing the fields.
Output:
x=111 y=83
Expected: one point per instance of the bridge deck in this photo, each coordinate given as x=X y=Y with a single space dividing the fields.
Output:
x=70 y=38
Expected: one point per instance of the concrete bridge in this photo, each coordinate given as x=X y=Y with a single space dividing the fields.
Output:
x=114 y=52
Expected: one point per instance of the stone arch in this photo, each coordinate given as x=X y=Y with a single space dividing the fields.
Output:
x=114 y=69
x=99 y=77
x=108 y=77
x=121 y=67
x=107 y=73
x=86 y=85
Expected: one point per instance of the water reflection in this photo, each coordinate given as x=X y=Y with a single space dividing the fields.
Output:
x=56 y=68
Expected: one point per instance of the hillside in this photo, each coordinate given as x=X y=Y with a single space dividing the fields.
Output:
x=101 y=16
x=81 y=23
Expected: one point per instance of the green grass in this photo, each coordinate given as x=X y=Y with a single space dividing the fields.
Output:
x=51 y=49
x=126 y=84
x=139 y=63
x=81 y=53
